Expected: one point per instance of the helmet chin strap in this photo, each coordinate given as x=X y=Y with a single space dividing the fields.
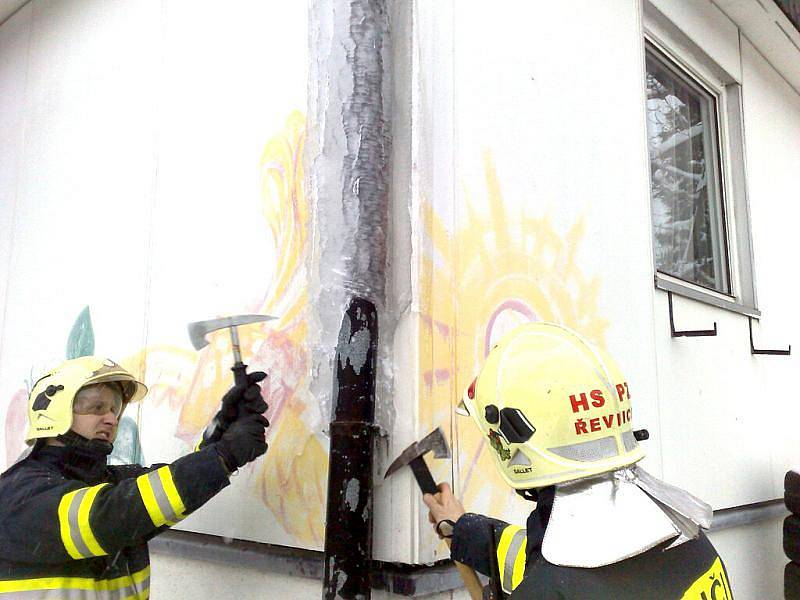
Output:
x=531 y=495
x=72 y=439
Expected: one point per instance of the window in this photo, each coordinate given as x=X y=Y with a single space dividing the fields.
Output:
x=685 y=179
x=698 y=195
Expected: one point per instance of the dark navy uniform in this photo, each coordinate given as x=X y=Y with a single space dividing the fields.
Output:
x=690 y=571
x=72 y=530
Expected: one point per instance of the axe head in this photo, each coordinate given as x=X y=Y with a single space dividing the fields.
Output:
x=433 y=442
x=199 y=329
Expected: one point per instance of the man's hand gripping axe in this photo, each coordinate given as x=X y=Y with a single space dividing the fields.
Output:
x=413 y=456
x=197 y=334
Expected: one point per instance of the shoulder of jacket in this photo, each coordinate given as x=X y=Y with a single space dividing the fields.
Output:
x=28 y=478
x=26 y=467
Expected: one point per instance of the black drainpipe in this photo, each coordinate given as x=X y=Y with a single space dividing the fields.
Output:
x=348 y=529
x=365 y=168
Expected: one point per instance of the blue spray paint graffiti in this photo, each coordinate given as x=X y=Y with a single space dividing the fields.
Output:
x=127 y=448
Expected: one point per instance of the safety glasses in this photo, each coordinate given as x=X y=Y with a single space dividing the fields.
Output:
x=98 y=403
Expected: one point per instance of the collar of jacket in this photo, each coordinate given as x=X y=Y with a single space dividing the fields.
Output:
x=605 y=519
x=76 y=462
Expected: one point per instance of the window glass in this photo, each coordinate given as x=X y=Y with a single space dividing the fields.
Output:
x=687 y=208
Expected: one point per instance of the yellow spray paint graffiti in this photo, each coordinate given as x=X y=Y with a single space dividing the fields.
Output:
x=291 y=481
x=280 y=348
x=495 y=270
x=193 y=383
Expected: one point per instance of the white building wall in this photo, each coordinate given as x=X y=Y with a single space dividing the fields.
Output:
x=552 y=100
x=152 y=170
x=530 y=203
x=155 y=114
x=705 y=408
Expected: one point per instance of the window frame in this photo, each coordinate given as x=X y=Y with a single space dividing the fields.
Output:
x=671 y=43
x=716 y=167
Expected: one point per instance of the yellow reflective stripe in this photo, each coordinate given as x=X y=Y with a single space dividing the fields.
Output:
x=709 y=583
x=727 y=584
x=149 y=499
x=83 y=521
x=75 y=583
x=173 y=496
x=63 y=521
x=502 y=550
x=74 y=526
x=160 y=496
x=121 y=582
x=519 y=564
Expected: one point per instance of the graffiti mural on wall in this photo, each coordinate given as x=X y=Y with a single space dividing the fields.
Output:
x=80 y=342
x=189 y=384
x=192 y=383
x=496 y=270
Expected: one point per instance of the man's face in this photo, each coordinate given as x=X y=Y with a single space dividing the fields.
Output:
x=96 y=412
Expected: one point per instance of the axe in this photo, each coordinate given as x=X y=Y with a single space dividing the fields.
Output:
x=413 y=456
x=199 y=329
x=197 y=334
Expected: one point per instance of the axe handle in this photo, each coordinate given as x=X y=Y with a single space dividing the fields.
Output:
x=428 y=486
x=470 y=578
x=239 y=373
x=423 y=476
x=231 y=411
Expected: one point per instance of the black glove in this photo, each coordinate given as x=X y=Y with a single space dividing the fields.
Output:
x=237 y=401
x=244 y=441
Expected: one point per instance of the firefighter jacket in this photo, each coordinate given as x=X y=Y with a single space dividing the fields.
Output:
x=691 y=571
x=74 y=531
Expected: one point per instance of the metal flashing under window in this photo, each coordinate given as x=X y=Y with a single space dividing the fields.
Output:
x=748 y=514
x=685 y=291
x=688 y=332
x=753 y=349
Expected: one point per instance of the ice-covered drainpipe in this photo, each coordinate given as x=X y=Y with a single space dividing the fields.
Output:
x=348 y=531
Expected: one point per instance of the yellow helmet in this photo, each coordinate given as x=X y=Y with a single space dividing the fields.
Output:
x=50 y=400
x=553 y=407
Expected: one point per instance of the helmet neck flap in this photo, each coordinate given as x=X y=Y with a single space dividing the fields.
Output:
x=618 y=515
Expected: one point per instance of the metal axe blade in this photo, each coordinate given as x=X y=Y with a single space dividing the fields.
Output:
x=199 y=329
x=413 y=456
x=433 y=442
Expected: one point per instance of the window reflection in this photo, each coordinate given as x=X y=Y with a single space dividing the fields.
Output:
x=688 y=220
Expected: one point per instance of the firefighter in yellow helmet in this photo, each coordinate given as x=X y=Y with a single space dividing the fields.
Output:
x=73 y=526
x=556 y=414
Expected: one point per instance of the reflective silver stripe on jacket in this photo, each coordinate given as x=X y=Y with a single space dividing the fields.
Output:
x=510 y=558
x=74 y=525
x=139 y=591
x=160 y=495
